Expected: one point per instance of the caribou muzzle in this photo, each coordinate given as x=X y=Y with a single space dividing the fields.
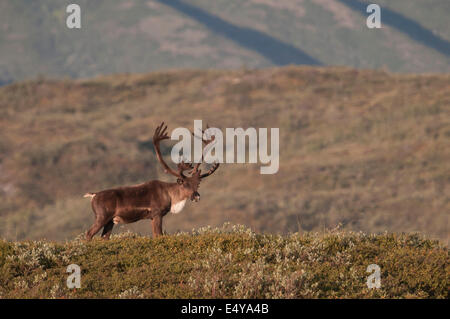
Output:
x=195 y=197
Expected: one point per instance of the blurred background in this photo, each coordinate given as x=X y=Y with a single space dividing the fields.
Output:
x=364 y=114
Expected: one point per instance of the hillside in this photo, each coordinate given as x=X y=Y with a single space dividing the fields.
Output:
x=228 y=262
x=367 y=149
x=142 y=36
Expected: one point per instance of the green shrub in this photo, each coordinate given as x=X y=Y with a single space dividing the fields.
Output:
x=228 y=262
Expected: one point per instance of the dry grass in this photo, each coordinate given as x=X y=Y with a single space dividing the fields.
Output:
x=367 y=149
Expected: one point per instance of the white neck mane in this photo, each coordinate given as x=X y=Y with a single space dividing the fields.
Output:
x=177 y=207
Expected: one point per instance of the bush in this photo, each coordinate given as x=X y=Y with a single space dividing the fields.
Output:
x=228 y=262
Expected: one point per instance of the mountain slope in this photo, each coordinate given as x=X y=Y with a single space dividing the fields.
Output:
x=367 y=149
x=136 y=36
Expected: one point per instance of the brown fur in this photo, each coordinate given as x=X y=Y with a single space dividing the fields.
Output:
x=151 y=200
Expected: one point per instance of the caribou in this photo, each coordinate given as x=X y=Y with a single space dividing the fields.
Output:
x=150 y=200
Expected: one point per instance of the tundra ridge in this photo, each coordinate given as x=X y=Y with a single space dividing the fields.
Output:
x=230 y=261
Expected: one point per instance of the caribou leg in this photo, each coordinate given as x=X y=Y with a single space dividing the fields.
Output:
x=157 y=226
x=107 y=230
x=93 y=230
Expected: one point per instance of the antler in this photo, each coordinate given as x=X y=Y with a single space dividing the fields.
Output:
x=161 y=134
x=216 y=165
x=182 y=166
x=212 y=170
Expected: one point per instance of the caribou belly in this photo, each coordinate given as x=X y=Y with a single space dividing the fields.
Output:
x=178 y=207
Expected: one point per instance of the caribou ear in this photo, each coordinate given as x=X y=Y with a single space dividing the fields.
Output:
x=180 y=181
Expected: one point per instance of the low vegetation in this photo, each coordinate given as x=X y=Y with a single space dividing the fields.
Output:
x=228 y=262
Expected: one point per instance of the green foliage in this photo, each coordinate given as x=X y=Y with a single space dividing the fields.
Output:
x=228 y=262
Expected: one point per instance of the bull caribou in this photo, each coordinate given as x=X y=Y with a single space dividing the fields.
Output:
x=150 y=200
